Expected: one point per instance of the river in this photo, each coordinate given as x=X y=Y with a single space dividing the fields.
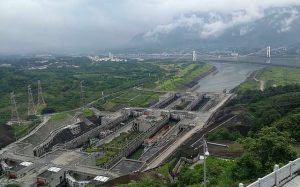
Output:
x=227 y=76
x=230 y=75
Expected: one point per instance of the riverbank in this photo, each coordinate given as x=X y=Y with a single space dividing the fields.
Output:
x=195 y=81
x=226 y=76
x=271 y=77
x=186 y=77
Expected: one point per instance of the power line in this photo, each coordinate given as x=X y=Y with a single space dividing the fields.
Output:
x=41 y=100
x=31 y=105
x=14 y=109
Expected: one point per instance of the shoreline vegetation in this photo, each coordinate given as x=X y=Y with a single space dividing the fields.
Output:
x=271 y=77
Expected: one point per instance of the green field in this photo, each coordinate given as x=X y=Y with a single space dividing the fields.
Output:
x=127 y=98
x=273 y=77
x=61 y=87
x=185 y=74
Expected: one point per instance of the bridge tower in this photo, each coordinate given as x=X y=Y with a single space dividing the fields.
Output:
x=41 y=100
x=194 y=56
x=31 y=106
x=82 y=99
x=14 y=109
x=269 y=52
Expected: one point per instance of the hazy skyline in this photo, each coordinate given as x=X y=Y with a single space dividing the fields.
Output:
x=66 y=26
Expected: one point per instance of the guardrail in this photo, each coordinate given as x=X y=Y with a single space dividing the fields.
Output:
x=279 y=176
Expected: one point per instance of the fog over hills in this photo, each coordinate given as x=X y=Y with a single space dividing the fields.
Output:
x=251 y=28
x=91 y=27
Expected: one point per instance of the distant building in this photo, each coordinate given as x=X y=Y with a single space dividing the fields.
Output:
x=234 y=54
x=5 y=65
x=110 y=58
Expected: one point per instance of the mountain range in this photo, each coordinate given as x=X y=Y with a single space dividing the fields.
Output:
x=243 y=29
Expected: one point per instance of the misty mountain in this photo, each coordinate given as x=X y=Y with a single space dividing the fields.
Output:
x=253 y=28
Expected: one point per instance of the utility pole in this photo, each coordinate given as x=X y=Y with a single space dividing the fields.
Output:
x=41 y=100
x=31 y=106
x=82 y=94
x=14 y=109
x=205 y=155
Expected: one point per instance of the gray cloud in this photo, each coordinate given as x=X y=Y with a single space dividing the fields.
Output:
x=286 y=23
x=92 y=25
x=212 y=26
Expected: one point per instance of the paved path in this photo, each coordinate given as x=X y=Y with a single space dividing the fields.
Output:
x=261 y=83
x=295 y=182
x=45 y=120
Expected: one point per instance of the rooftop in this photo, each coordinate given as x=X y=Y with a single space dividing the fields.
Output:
x=49 y=172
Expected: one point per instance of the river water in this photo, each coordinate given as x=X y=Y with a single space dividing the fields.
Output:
x=230 y=75
x=227 y=76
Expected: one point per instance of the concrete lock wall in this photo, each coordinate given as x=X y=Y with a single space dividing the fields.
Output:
x=279 y=176
x=93 y=133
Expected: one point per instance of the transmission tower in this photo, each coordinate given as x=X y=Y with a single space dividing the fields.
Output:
x=41 y=100
x=14 y=109
x=82 y=94
x=31 y=106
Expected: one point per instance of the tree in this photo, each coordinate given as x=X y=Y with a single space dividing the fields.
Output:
x=262 y=151
x=290 y=124
x=145 y=182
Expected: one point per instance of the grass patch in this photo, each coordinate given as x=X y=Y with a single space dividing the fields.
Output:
x=136 y=155
x=164 y=170
x=112 y=148
x=275 y=76
x=87 y=112
x=58 y=116
x=129 y=97
x=24 y=128
x=185 y=74
x=235 y=147
x=249 y=85
x=20 y=130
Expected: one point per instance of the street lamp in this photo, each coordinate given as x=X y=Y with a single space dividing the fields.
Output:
x=205 y=155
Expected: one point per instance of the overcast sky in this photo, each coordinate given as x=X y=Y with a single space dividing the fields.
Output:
x=66 y=26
